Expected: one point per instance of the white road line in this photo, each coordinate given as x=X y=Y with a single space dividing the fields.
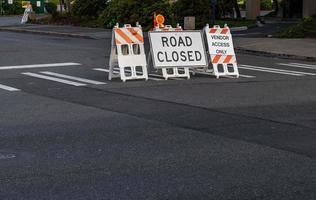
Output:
x=101 y=70
x=74 y=78
x=39 y=66
x=279 y=70
x=210 y=74
x=54 y=79
x=246 y=76
x=297 y=65
x=269 y=71
x=8 y=88
x=304 y=64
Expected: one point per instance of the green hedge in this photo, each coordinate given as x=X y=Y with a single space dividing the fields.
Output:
x=306 y=28
x=88 y=8
x=132 y=11
x=201 y=9
x=51 y=8
x=13 y=9
x=266 y=5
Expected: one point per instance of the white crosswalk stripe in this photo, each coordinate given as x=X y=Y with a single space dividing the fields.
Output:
x=53 y=79
x=269 y=71
x=303 y=64
x=8 y=88
x=210 y=74
x=73 y=78
x=297 y=65
x=275 y=70
x=39 y=66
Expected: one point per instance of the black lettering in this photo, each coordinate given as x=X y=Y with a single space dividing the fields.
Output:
x=198 y=56
x=164 y=41
x=190 y=55
x=175 y=56
x=188 y=41
x=166 y=55
x=173 y=41
x=183 y=57
x=181 y=42
x=158 y=57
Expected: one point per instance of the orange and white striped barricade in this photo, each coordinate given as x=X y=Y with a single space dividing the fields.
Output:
x=128 y=53
x=28 y=10
x=221 y=51
x=173 y=72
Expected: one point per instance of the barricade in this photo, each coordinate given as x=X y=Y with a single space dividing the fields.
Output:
x=173 y=72
x=128 y=53
x=27 y=12
x=221 y=51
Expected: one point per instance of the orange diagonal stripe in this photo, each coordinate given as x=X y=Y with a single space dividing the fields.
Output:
x=224 y=31
x=217 y=58
x=117 y=42
x=213 y=30
x=124 y=36
x=228 y=58
x=136 y=35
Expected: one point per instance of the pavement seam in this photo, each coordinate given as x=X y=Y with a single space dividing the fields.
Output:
x=177 y=125
x=208 y=109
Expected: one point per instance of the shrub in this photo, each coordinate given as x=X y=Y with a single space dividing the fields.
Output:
x=13 y=9
x=306 y=28
x=51 y=8
x=132 y=11
x=88 y=8
x=266 y=5
x=201 y=9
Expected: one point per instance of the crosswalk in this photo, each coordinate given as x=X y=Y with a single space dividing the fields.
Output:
x=8 y=88
x=280 y=69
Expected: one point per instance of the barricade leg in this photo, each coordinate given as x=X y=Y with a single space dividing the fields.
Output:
x=112 y=64
x=176 y=72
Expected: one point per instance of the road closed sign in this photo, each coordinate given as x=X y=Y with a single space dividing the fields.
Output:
x=177 y=49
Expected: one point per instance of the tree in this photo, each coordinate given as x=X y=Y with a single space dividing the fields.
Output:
x=276 y=6
x=201 y=9
x=237 y=9
x=67 y=5
x=132 y=11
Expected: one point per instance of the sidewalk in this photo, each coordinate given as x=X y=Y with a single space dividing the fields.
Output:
x=57 y=30
x=300 y=49
x=10 y=20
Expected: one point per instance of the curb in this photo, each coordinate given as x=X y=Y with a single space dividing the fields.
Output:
x=275 y=55
x=240 y=28
x=47 y=33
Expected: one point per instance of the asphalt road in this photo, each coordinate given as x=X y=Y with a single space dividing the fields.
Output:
x=198 y=139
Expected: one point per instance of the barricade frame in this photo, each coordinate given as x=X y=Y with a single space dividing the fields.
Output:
x=226 y=65
x=130 y=60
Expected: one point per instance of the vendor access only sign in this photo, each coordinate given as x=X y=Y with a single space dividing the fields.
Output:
x=220 y=41
x=177 y=49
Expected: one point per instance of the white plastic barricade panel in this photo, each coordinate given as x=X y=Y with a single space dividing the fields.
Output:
x=173 y=50
x=221 y=50
x=26 y=14
x=128 y=54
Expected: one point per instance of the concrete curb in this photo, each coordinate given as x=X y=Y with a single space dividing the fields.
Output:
x=238 y=49
x=52 y=33
x=275 y=55
x=237 y=29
